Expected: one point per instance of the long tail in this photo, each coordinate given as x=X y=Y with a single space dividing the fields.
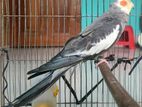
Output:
x=37 y=74
x=57 y=62
x=38 y=89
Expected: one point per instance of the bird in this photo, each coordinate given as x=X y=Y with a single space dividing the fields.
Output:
x=95 y=39
x=86 y=45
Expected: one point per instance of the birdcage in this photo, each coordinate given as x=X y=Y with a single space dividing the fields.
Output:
x=33 y=31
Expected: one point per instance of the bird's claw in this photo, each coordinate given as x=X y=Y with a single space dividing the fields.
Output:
x=109 y=58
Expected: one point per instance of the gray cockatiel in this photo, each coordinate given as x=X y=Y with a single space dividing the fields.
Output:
x=96 y=38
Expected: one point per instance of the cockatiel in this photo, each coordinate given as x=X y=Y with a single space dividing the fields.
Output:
x=95 y=39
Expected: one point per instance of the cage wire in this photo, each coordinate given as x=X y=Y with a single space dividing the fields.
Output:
x=33 y=31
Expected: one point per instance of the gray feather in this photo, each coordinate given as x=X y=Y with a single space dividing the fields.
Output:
x=56 y=63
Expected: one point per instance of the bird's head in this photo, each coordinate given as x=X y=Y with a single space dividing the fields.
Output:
x=125 y=5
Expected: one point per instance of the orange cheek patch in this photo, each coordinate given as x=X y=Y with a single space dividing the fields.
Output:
x=123 y=3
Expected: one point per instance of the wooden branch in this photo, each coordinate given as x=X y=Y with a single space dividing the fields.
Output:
x=121 y=96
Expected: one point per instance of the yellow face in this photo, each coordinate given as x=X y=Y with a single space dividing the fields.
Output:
x=125 y=5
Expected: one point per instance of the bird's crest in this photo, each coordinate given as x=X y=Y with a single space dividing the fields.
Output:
x=125 y=5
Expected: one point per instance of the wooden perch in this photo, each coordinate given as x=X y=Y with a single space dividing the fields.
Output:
x=121 y=96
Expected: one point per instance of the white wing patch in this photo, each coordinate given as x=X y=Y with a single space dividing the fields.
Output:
x=103 y=44
x=100 y=46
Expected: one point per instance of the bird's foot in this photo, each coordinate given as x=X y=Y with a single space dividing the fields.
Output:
x=97 y=59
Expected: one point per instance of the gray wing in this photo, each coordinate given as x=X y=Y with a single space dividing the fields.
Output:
x=99 y=22
x=93 y=34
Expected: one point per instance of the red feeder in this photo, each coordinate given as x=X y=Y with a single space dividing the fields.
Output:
x=127 y=38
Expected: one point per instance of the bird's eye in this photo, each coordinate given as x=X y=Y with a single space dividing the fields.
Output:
x=123 y=3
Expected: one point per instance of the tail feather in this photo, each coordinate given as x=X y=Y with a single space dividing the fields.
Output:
x=32 y=93
x=33 y=71
x=38 y=89
x=56 y=63
x=36 y=74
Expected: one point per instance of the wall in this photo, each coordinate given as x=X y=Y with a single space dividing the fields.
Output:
x=94 y=8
